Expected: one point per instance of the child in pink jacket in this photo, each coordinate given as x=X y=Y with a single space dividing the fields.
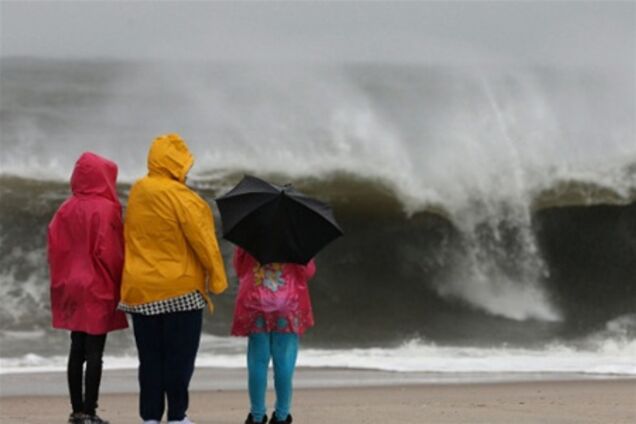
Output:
x=273 y=309
x=86 y=255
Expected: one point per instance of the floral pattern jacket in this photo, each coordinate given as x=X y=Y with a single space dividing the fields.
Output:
x=272 y=297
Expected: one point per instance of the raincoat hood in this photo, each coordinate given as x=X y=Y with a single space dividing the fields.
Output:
x=95 y=175
x=169 y=156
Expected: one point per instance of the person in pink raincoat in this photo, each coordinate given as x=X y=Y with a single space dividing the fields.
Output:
x=273 y=309
x=86 y=255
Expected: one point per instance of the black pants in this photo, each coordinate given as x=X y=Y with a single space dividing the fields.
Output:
x=167 y=345
x=90 y=349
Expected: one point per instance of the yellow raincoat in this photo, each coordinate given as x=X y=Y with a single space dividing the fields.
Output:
x=171 y=245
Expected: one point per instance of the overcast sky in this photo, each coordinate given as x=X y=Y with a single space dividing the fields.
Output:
x=572 y=32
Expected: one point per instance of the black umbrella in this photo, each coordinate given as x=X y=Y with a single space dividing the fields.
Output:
x=274 y=223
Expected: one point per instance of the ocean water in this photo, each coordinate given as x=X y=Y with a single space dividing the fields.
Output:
x=490 y=214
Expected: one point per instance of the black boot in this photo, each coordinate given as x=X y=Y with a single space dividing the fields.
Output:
x=76 y=418
x=274 y=420
x=250 y=420
x=94 y=419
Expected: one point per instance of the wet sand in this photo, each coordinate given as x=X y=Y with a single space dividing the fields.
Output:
x=577 y=400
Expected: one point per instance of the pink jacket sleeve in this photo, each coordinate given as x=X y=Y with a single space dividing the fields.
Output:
x=310 y=269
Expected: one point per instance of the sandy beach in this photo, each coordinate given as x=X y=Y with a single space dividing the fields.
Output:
x=355 y=397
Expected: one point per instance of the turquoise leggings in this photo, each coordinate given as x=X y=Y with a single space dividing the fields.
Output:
x=283 y=349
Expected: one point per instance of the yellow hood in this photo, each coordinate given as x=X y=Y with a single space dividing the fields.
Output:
x=169 y=156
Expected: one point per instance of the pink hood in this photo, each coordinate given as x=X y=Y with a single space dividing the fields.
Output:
x=95 y=175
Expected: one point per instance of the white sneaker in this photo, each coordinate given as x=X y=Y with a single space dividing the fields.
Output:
x=186 y=420
x=152 y=422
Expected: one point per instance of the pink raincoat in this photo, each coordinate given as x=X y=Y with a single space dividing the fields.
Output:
x=86 y=251
x=272 y=297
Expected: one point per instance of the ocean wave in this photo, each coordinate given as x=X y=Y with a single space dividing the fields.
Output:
x=511 y=263
x=479 y=207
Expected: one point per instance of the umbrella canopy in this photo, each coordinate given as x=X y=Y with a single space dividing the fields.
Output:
x=276 y=223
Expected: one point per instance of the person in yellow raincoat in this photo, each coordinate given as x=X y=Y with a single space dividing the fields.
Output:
x=172 y=260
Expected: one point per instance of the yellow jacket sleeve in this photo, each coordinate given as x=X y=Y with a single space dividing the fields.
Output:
x=197 y=222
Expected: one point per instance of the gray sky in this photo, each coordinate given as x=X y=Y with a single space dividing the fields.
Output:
x=573 y=32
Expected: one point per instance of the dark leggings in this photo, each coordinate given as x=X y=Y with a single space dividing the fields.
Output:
x=90 y=349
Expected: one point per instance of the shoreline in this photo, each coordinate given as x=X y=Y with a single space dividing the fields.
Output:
x=543 y=401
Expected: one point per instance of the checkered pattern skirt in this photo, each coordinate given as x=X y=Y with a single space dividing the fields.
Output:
x=187 y=302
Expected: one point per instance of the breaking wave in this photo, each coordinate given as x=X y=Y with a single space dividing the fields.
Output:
x=486 y=212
